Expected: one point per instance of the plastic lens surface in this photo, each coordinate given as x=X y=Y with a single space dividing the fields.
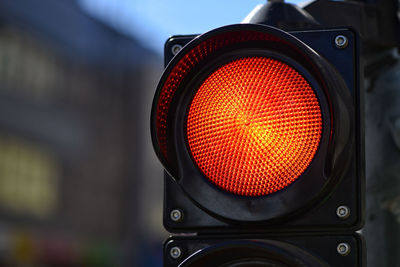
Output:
x=254 y=126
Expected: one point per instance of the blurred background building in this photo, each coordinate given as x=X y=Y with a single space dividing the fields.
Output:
x=74 y=156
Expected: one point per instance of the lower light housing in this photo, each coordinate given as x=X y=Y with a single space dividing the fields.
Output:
x=261 y=250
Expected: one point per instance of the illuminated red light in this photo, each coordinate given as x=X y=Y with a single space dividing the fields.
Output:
x=254 y=126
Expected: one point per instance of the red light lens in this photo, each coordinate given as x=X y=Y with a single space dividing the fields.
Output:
x=254 y=126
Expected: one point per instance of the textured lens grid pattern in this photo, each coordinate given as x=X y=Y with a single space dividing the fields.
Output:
x=186 y=64
x=254 y=126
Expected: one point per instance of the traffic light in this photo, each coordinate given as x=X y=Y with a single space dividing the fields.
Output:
x=260 y=133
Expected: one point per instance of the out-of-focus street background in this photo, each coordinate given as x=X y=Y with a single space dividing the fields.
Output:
x=79 y=182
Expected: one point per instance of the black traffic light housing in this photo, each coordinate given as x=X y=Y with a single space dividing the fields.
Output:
x=316 y=217
x=320 y=215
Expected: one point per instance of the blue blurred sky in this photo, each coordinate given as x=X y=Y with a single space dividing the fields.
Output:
x=153 y=21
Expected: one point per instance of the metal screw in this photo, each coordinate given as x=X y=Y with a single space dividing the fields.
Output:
x=343 y=249
x=341 y=41
x=343 y=212
x=176 y=215
x=176 y=48
x=175 y=252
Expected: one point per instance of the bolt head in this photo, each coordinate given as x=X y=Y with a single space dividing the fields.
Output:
x=343 y=249
x=176 y=215
x=176 y=48
x=341 y=41
x=175 y=252
x=343 y=212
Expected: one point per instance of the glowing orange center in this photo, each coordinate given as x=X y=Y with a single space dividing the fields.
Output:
x=254 y=126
